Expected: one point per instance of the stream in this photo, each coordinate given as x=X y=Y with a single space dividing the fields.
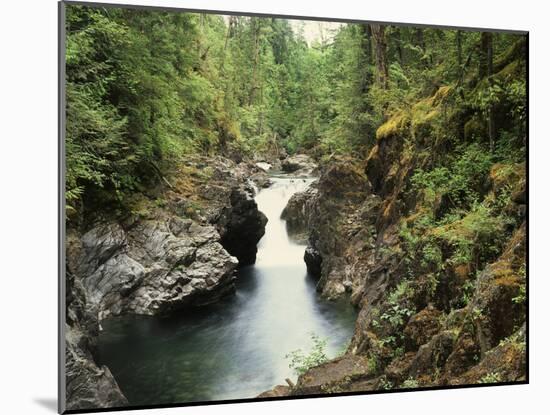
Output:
x=236 y=348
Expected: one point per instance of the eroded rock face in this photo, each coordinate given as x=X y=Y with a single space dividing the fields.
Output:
x=468 y=346
x=277 y=391
x=88 y=385
x=504 y=363
x=297 y=213
x=422 y=327
x=154 y=267
x=314 y=261
x=319 y=212
x=334 y=376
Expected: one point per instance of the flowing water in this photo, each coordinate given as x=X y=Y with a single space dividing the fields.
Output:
x=236 y=348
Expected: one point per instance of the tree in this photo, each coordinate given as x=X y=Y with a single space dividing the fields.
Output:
x=379 y=37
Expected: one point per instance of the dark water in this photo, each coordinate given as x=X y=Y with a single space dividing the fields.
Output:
x=236 y=348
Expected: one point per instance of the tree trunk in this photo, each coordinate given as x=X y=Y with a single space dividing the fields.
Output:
x=367 y=43
x=492 y=129
x=231 y=23
x=397 y=39
x=483 y=54
x=256 y=50
x=460 y=70
x=380 y=46
x=486 y=70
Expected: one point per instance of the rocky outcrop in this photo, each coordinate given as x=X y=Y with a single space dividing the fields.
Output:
x=88 y=385
x=226 y=200
x=241 y=225
x=335 y=376
x=314 y=261
x=297 y=212
x=277 y=392
x=299 y=164
x=422 y=327
x=328 y=213
x=152 y=267
x=478 y=344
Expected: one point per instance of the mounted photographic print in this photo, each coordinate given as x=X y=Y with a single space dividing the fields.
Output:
x=261 y=207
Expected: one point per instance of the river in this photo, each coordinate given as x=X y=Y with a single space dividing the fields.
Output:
x=236 y=348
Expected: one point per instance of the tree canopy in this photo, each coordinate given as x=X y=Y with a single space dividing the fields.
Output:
x=145 y=88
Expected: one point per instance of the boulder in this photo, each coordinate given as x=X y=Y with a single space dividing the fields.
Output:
x=264 y=166
x=296 y=214
x=299 y=163
x=154 y=267
x=241 y=225
x=313 y=260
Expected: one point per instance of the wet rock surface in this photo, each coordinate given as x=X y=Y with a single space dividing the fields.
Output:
x=88 y=385
x=241 y=225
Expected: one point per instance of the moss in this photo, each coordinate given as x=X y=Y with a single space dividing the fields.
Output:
x=426 y=112
x=394 y=126
x=511 y=55
x=502 y=174
x=509 y=280
x=141 y=206
x=511 y=70
x=473 y=225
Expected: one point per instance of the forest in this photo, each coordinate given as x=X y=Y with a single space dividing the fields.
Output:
x=410 y=214
x=145 y=89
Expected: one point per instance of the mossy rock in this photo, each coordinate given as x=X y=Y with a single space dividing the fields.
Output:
x=395 y=126
x=505 y=174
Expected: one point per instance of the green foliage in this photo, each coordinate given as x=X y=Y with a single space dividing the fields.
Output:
x=516 y=341
x=409 y=383
x=397 y=315
x=467 y=292
x=521 y=298
x=386 y=384
x=461 y=181
x=373 y=365
x=492 y=377
x=146 y=88
x=301 y=361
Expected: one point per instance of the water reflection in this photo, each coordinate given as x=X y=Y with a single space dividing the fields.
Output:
x=236 y=348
